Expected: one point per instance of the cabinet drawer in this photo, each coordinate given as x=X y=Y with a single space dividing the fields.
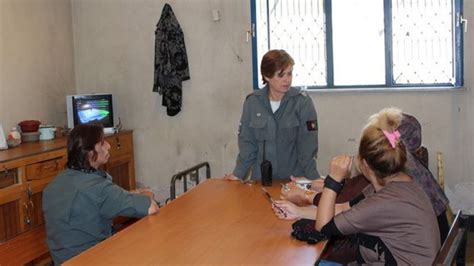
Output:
x=120 y=144
x=45 y=169
x=8 y=178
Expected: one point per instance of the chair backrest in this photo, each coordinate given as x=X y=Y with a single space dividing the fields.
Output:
x=448 y=250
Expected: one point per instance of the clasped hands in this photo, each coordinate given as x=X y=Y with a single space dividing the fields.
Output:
x=144 y=191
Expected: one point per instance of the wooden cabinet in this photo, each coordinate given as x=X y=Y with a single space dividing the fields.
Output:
x=24 y=172
x=121 y=164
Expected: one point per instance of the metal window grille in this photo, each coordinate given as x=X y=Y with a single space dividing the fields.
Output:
x=418 y=42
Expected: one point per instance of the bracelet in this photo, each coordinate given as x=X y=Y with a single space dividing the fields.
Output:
x=332 y=184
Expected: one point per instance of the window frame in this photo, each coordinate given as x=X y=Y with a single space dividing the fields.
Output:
x=458 y=55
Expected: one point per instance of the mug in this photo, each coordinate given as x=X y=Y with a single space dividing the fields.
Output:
x=46 y=132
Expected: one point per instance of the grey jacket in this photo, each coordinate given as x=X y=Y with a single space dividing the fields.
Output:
x=290 y=134
x=78 y=210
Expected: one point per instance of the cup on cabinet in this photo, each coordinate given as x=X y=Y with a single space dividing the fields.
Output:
x=46 y=132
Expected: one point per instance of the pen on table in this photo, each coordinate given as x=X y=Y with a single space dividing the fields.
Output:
x=269 y=197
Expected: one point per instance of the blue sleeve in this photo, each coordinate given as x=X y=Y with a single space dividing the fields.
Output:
x=307 y=141
x=119 y=202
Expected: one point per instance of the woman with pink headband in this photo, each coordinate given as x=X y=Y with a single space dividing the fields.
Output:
x=394 y=223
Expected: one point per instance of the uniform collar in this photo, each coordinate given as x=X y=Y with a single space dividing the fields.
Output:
x=263 y=93
x=90 y=171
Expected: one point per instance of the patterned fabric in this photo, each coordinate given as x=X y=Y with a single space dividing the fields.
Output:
x=171 y=61
x=410 y=130
x=425 y=179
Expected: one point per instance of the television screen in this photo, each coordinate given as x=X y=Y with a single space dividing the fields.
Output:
x=90 y=108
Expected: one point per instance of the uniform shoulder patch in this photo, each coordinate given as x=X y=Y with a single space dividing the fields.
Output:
x=312 y=125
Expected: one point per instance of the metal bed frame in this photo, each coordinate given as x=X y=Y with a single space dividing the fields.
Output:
x=193 y=174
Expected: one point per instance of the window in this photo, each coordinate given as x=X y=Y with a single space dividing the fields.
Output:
x=362 y=43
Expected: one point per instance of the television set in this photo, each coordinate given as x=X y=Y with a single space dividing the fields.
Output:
x=97 y=108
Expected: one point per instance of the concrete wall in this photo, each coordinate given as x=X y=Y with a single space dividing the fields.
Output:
x=114 y=52
x=36 y=61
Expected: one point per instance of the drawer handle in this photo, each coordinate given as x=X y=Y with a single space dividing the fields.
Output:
x=27 y=214
x=119 y=145
x=51 y=165
x=5 y=170
x=30 y=192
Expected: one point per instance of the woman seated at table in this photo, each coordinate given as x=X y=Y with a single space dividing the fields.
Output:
x=410 y=131
x=395 y=223
x=80 y=203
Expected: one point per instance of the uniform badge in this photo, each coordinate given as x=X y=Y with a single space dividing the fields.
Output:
x=312 y=125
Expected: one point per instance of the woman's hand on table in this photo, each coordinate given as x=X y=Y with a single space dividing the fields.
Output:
x=144 y=191
x=296 y=178
x=291 y=192
x=285 y=210
x=231 y=177
x=154 y=207
x=317 y=185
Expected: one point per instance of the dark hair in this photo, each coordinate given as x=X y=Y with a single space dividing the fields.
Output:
x=82 y=140
x=273 y=61
x=377 y=151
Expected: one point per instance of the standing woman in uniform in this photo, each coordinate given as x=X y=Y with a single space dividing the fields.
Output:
x=283 y=119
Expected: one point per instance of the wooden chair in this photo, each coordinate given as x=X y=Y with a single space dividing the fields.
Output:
x=440 y=161
x=193 y=174
x=446 y=255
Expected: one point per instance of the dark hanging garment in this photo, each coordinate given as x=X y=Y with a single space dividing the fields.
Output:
x=171 y=61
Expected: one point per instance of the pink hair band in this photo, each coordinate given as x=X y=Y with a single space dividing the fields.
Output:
x=393 y=137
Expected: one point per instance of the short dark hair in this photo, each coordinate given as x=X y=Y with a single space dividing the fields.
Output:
x=273 y=61
x=82 y=140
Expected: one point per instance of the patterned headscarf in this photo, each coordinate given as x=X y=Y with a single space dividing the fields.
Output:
x=410 y=131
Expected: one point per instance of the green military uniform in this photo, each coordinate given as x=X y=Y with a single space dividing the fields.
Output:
x=290 y=135
x=78 y=210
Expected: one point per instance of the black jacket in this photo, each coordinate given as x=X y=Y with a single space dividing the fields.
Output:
x=171 y=61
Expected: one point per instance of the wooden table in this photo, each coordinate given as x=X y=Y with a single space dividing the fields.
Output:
x=217 y=222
